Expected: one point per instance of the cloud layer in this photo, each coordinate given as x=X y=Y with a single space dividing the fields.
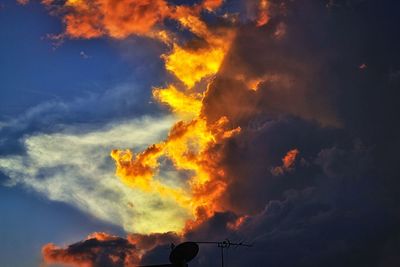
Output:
x=293 y=89
x=75 y=167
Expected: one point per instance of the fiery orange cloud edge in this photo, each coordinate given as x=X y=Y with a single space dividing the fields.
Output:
x=114 y=251
x=190 y=144
x=288 y=163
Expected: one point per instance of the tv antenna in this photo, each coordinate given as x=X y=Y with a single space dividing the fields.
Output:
x=183 y=253
x=225 y=245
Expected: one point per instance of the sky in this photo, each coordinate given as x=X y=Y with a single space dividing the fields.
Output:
x=126 y=126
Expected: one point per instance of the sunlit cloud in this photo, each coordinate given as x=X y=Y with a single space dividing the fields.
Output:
x=73 y=166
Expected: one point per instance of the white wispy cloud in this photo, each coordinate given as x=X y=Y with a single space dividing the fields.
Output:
x=74 y=166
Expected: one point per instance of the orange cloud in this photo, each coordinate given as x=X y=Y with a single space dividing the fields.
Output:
x=102 y=249
x=212 y=4
x=263 y=15
x=189 y=146
x=99 y=249
x=236 y=224
x=118 y=18
x=288 y=163
x=187 y=105
x=191 y=142
x=290 y=157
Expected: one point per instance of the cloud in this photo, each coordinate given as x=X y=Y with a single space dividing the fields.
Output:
x=338 y=220
x=249 y=157
x=117 y=19
x=99 y=249
x=89 y=110
x=329 y=222
x=288 y=162
x=47 y=161
x=100 y=105
x=75 y=167
x=269 y=76
x=293 y=82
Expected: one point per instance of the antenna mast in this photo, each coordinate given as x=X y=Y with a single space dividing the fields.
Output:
x=225 y=244
x=187 y=251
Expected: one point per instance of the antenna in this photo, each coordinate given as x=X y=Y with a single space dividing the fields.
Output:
x=225 y=245
x=183 y=253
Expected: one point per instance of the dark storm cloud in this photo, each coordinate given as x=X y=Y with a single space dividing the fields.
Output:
x=311 y=83
x=340 y=221
x=339 y=206
x=250 y=157
x=289 y=59
x=216 y=226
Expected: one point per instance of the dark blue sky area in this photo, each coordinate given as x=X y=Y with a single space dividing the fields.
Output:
x=33 y=71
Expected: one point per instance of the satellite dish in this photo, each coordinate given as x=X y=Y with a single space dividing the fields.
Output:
x=184 y=252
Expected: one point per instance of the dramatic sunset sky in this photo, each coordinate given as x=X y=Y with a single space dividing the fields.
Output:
x=128 y=125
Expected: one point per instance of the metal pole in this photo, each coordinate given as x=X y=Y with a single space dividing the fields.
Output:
x=222 y=256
